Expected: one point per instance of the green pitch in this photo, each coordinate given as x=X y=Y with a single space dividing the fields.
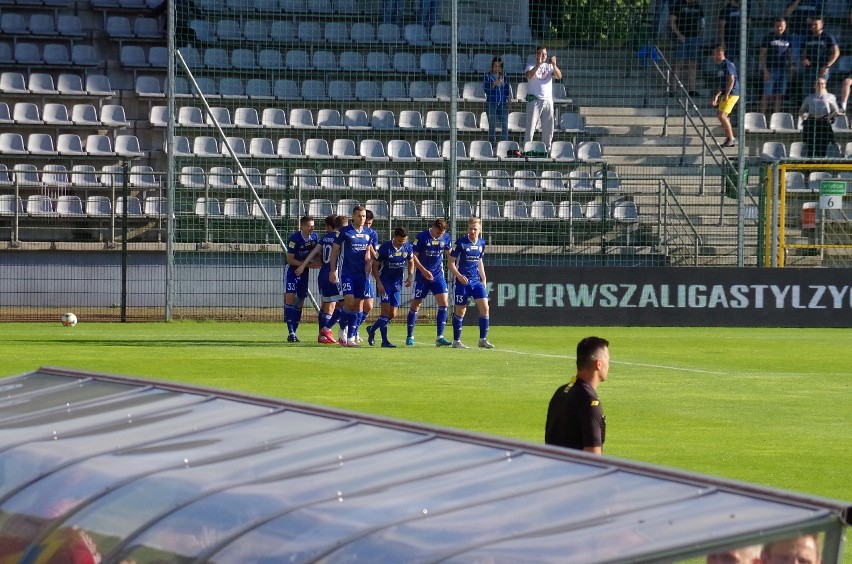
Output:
x=771 y=406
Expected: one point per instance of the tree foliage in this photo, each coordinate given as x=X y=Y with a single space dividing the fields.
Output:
x=611 y=23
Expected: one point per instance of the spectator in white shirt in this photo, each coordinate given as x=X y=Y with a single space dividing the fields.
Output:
x=540 y=96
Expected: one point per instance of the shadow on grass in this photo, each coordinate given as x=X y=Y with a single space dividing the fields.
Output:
x=148 y=342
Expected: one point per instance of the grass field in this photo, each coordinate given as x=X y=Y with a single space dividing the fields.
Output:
x=770 y=406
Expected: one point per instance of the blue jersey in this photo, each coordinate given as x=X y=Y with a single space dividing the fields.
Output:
x=495 y=95
x=724 y=71
x=374 y=237
x=300 y=247
x=469 y=255
x=430 y=252
x=353 y=249
x=394 y=262
x=327 y=242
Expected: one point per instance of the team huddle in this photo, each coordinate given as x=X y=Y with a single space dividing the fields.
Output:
x=354 y=268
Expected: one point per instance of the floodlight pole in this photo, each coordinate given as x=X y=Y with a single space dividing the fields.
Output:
x=741 y=157
x=170 y=168
x=125 y=170
x=454 y=89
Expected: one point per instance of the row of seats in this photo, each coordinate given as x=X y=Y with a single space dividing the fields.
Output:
x=779 y=122
x=66 y=84
x=796 y=181
x=515 y=210
x=85 y=115
x=783 y=122
x=41 y=25
x=155 y=207
x=357 y=33
x=120 y=27
x=398 y=150
x=42 y=206
x=70 y=144
x=776 y=150
x=414 y=180
x=134 y=5
x=379 y=120
x=137 y=56
x=26 y=175
x=55 y=54
x=30 y=4
x=319 y=7
x=399 y=62
x=336 y=90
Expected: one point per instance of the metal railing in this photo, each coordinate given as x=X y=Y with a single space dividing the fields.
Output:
x=692 y=120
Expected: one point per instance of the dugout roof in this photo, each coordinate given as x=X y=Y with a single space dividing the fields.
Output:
x=146 y=471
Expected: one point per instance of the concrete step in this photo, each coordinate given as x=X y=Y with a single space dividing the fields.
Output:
x=725 y=259
x=651 y=149
x=672 y=162
x=674 y=130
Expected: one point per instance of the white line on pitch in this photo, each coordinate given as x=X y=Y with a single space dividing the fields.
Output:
x=660 y=366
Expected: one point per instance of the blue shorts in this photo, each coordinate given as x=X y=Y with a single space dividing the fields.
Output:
x=355 y=285
x=463 y=293
x=329 y=292
x=422 y=287
x=777 y=83
x=296 y=284
x=689 y=50
x=393 y=293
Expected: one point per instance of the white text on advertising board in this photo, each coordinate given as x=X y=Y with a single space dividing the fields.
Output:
x=685 y=296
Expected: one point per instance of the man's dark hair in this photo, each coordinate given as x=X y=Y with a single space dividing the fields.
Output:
x=340 y=221
x=358 y=208
x=305 y=219
x=330 y=219
x=587 y=351
x=400 y=232
x=440 y=224
x=780 y=19
x=370 y=215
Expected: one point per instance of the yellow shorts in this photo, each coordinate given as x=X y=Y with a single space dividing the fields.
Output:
x=726 y=104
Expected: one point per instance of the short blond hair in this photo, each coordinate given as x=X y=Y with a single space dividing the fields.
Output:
x=471 y=220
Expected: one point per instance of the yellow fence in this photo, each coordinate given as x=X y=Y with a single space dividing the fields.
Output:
x=796 y=231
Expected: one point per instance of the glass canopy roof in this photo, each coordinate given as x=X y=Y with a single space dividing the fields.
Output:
x=142 y=471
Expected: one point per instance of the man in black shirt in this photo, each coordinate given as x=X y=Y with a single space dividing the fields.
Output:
x=686 y=21
x=776 y=64
x=799 y=15
x=728 y=25
x=819 y=52
x=575 y=416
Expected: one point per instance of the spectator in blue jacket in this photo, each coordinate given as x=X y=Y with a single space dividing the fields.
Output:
x=497 y=93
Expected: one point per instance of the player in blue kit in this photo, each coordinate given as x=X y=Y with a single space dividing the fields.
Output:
x=330 y=294
x=367 y=304
x=299 y=246
x=395 y=258
x=469 y=271
x=351 y=253
x=430 y=246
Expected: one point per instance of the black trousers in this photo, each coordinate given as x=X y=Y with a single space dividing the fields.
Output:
x=817 y=134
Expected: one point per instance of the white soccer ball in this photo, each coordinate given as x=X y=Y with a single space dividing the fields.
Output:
x=69 y=319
